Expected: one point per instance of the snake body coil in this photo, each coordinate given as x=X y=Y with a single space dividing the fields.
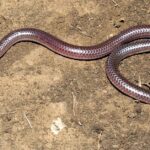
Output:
x=117 y=47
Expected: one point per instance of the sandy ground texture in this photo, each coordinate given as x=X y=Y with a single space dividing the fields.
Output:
x=48 y=102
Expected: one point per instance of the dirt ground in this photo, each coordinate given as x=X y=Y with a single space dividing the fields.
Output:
x=37 y=86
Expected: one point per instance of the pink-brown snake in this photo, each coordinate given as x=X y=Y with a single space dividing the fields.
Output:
x=119 y=47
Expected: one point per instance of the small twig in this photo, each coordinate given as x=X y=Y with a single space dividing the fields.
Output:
x=77 y=28
x=28 y=120
x=75 y=103
x=140 y=82
x=8 y=113
x=116 y=4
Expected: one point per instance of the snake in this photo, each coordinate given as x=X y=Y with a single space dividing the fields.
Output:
x=131 y=41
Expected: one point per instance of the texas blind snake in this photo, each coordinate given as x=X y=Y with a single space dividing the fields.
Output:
x=125 y=44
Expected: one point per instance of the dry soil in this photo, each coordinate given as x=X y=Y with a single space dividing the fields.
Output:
x=38 y=86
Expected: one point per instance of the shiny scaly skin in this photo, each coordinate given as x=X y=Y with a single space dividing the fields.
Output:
x=114 y=46
x=116 y=77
